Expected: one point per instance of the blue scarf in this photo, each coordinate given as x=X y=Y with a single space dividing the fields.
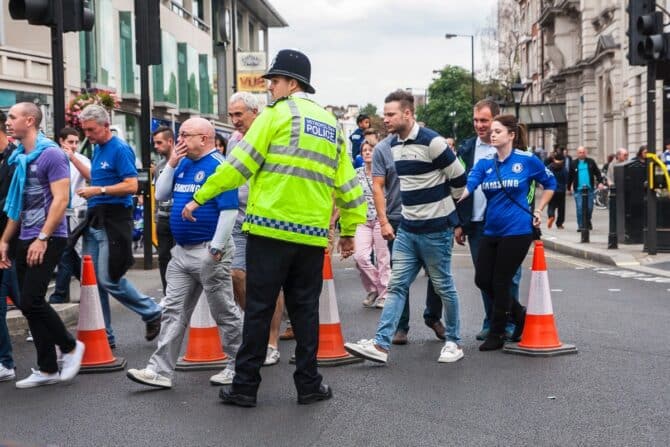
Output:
x=14 y=201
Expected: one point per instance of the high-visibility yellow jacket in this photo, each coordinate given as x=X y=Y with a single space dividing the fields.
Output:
x=295 y=158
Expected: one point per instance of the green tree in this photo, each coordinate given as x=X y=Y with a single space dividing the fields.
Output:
x=449 y=107
x=369 y=109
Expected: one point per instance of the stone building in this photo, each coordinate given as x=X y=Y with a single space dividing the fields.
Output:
x=199 y=39
x=572 y=59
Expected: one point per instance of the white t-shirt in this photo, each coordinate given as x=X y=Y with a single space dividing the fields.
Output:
x=77 y=181
x=482 y=150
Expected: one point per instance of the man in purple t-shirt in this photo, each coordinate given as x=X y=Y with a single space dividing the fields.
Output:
x=35 y=205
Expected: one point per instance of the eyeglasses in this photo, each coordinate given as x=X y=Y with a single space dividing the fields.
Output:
x=186 y=135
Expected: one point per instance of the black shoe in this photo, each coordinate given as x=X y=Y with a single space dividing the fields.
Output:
x=112 y=346
x=229 y=397
x=590 y=226
x=520 y=320
x=153 y=328
x=437 y=327
x=492 y=343
x=324 y=393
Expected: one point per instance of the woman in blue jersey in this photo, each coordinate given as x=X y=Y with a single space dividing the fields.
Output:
x=506 y=180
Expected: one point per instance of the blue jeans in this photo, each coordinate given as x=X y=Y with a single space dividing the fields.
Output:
x=8 y=287
x=433 y=309
x=475 y=233
x=411 y=251
x=70 y=264
x=578 y=205
x=96 y=244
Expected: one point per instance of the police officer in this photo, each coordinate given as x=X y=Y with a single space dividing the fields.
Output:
x=295 y=159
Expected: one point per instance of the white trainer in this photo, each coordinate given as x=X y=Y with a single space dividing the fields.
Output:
x=7 y=374
x=450 y=353
x=225 y=377
x=271 y=356
x=370 y=299
x=379 y=304
x=148 y=377
x=38 y=378
x=72 y=362
x=366 y=349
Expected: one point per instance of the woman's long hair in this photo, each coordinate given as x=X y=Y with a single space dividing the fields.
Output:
x=519 y=130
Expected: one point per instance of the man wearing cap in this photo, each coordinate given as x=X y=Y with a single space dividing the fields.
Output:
x=295 y=160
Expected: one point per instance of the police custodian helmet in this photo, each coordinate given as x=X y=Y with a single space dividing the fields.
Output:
x=293 y=64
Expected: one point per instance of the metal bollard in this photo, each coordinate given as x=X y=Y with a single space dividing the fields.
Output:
x=585 y=214
x=612 y=240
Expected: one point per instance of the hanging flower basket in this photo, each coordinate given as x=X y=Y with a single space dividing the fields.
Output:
x=108 y=100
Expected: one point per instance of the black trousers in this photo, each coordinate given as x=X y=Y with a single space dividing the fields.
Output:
x=272 y=265
x=165 y=244
x=497 y=261
x=557 y=206
x=46 y=326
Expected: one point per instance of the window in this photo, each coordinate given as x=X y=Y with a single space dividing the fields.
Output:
x=107 y=50
x=199 y=9
x=261 y=40
x=165 y=75
x=188 y=65
x=127 y=50
x=252 y=37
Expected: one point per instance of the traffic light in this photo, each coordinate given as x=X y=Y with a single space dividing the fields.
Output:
x=76 y=14
x=646 y=40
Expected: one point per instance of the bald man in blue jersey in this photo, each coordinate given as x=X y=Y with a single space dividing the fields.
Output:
x=201 y=259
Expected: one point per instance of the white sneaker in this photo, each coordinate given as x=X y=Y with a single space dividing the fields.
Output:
x=272 y=356
x=225 y=377
x=366 y=349
x=148 y=377
x=369 y=300
x=7 y=374
x=30 y=336
x=380 y=303
x=450 y=353
x=72 y=362
x=38 y=378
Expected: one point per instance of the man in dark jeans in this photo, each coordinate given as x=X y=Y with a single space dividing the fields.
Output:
x=35 y=204
x=385 y=178
x=584 y=172
x=164 y=145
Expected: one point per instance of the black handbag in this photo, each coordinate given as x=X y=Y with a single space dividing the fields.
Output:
x=537 y=233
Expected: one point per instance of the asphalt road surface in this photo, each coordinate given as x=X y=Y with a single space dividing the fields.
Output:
x=614 y=392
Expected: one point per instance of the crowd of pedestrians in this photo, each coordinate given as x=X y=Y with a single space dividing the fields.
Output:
x=282 y=183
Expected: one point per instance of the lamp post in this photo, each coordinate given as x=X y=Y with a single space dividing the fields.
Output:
x=472 y=58
x=517 y=90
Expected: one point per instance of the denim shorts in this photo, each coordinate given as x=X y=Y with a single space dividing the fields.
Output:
x=240 y=258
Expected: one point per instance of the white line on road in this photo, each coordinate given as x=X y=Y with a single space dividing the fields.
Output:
x=614 y=290
x=556 y=290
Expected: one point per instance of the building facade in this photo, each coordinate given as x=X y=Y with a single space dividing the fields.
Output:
x=201 y=43
x=573 y=54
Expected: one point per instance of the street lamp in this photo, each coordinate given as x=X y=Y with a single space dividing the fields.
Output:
x=517 y=90
x=472 y=56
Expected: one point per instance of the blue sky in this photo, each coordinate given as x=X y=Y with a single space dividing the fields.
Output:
x=362 y=49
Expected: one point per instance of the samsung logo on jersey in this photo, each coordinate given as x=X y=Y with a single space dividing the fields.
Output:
x=509 y=183
x=319 y=129
x=180 y=187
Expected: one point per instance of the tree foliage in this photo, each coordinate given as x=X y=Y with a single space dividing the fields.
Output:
x=369 y=109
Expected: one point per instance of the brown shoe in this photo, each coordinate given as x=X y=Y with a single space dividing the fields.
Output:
x=550 y=221
x=438 y=328
x=288 y=334
x=400 y=338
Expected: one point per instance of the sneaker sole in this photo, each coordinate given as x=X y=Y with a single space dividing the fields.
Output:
x=7 y=378
x=271 y=364
x=215 y=383
x=441 y=360
x=363 y=355
x=142 y=382
x=35 y=385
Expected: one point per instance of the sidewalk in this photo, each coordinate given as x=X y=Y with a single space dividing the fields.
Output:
x=630 y=256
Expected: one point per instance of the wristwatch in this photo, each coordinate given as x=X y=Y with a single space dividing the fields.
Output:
x=216 y=252
x=43 y=237
x=103 y=191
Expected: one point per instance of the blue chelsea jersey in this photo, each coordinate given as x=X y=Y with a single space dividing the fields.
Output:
x=504 y=218
x=189 y=176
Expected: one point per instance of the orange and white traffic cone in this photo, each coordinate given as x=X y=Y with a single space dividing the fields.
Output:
x=540 y=336
x=203 y=351
x=98 y=356
x=331 y=342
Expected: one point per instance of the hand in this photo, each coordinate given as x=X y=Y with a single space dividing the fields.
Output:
x=89 y=191
x=5 y=263
x=68 y=152
x=569 y=191
x=601 y=186
x=189 y=209
x=346 y=246
x=464 y=196
x=537 y=218
x=459 y=236
x=178 y=153
x=387 y=232
x=36 y=251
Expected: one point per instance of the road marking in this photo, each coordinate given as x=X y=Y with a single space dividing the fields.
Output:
x=614 y=290
x=556 y=290
x=629 y=274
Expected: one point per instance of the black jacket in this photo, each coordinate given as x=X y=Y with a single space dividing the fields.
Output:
x=117 y=221
x=6 y=173
x=466 y=152
x=595 y=175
